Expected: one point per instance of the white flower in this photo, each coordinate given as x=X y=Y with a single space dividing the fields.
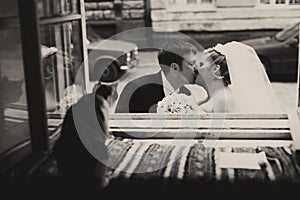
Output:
x=177 y=103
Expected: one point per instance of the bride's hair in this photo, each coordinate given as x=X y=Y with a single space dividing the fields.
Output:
x=220 y=59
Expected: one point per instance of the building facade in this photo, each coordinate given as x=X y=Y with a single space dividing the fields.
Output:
x=223 y=15
x=109 y=17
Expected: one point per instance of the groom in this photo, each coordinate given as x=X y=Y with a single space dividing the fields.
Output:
x=177 y=60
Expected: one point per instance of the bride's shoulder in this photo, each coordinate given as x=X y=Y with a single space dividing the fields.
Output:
x=223 y=100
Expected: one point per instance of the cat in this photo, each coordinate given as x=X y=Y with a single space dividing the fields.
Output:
x=11 y=91
x=75 y=163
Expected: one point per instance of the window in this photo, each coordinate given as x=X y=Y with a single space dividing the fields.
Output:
x=264 y=1
x=61 y=60
x=280 y=2
x=14 y=123
x=30 y=60
x=294 y=2
x=62 y=56
x=52 y=8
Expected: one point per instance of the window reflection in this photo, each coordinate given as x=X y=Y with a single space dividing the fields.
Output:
x=56 y=8
x=14 y=124
x=61 y=59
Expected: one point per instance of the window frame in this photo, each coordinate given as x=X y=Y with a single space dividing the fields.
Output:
x=274 y=6
x=30 y=153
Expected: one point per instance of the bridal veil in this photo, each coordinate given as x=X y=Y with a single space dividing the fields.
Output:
x=251 y=88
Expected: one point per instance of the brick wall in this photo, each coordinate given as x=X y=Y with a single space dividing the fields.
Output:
x=129 y=10
x=99 y=10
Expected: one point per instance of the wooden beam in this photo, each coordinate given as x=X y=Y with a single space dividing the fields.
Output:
x=155 y=116
x=221 y=125
x=214 y=123
x=29 y=24
x=201 y=134
x=298 y=78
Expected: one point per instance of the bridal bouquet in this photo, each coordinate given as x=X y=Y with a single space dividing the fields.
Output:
x=177 y=103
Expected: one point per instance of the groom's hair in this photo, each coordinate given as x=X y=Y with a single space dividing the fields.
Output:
x=173 y=52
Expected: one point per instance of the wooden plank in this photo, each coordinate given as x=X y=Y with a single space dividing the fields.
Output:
x=298 y=77
x=221 y=126
x=54 y=122
x=222 y=14
x=158 y=4
x=223 y=25
x=9 y=112
x=155 y=116
x=235 y=3
x=55 y=20
x=191 y=123
x=294 y=123
x=223 y=142
x=202 y=134
x=185 y=130
x=55 y=115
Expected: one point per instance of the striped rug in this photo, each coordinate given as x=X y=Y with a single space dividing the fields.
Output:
x=191 y=160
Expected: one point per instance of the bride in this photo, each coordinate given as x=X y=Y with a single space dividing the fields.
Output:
x=237 y=84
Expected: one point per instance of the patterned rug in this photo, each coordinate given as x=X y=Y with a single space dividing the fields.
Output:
x=190 y=161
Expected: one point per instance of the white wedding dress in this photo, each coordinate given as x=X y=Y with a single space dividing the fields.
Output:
x=251 y=89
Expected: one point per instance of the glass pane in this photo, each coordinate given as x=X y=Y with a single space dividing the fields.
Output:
x=206 y=1
x=62 y=57
x=14 y=124
x=9 y=10
x=294 y=2
x=265 y=1
x=55 y=8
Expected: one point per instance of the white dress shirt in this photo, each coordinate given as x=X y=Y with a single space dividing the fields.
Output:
x=168 y=88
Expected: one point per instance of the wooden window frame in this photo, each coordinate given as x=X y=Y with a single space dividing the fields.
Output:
x=30 y=153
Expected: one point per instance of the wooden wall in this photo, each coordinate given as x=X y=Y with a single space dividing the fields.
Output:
x=223 y=15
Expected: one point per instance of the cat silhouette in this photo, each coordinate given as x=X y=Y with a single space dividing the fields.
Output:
x=10 y=90
x=76 y=165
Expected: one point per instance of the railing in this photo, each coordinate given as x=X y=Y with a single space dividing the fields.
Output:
x=208 y=126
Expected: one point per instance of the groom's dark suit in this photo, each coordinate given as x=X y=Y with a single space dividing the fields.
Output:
x=142 y=94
